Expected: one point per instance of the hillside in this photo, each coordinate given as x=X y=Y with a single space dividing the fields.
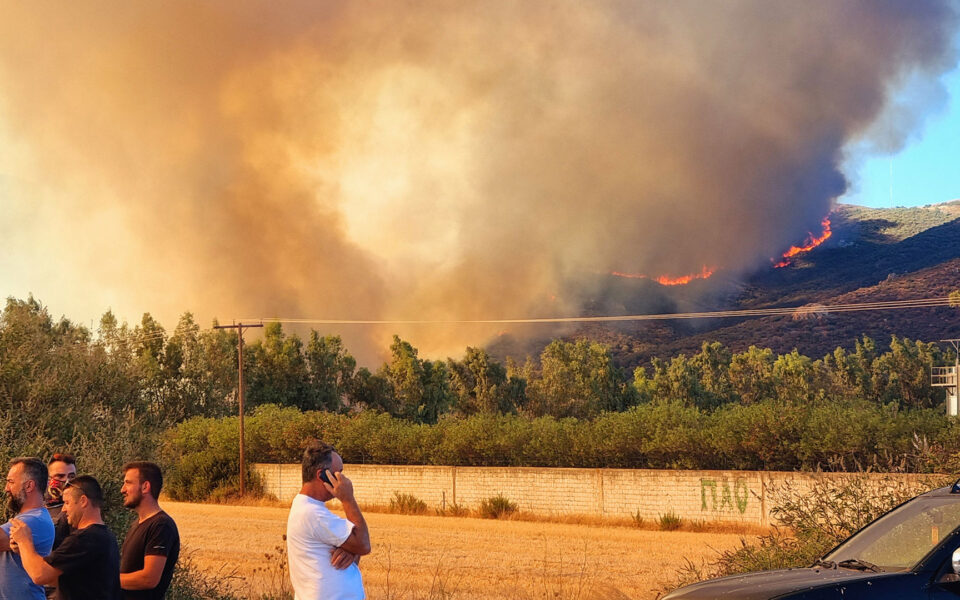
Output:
x=873 y=255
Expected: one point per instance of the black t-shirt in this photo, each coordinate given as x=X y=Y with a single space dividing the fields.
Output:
x=90 y=563
x=61 y=528
x=156 y=536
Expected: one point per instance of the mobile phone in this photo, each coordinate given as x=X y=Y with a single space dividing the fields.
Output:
x=324 y=478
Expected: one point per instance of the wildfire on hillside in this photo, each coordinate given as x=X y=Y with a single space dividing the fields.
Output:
x=705 y=273
x=811 y=243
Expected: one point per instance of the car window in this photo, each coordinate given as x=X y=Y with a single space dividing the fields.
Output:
x=900 y=539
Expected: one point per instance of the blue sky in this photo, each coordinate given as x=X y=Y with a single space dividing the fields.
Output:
x=925 y=171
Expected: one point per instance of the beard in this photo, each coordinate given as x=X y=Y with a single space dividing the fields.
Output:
x=132 y=500
x=16 y=501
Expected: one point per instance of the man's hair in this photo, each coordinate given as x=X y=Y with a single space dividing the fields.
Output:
x=147 y=471
x=33 y=469
x=62 y=457
x=317 y=455
x=89 y=487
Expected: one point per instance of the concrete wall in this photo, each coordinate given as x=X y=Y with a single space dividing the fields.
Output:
x=731 y=496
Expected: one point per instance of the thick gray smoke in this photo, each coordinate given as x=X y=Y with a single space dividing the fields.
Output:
x=428 y=159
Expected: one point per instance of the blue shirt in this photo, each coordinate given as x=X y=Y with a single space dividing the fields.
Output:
x=15 y=584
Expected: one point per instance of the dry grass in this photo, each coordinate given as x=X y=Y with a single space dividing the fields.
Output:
x=430 y=557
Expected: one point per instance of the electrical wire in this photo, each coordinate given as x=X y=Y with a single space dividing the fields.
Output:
x=807 y=309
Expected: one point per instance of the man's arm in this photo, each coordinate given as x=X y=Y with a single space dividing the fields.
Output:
x=359 y=541
x=4 y=541
x=146 y=578
x=39 y=571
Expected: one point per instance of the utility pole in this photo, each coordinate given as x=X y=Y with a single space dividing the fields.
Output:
x=947 y=377
x=240 y=327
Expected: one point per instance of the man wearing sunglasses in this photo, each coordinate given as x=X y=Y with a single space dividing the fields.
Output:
x=86 y=566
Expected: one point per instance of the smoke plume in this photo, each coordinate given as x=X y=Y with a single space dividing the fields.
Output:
x=427 y=160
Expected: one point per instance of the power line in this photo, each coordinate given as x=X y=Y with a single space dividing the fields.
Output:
x=807 y=309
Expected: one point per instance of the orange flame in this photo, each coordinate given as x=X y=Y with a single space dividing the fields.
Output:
x=704 y=273
x=811 y=243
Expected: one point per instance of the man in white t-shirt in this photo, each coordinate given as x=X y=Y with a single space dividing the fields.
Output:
x=324 y=549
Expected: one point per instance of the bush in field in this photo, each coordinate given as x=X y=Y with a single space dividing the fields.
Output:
x=669 y=522
x=407 y=504
x=454 y=510
x=496 y=507
x=190 y=583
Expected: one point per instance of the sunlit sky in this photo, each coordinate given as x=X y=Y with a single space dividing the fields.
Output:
x=925 y=171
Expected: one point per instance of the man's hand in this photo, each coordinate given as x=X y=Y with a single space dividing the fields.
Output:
x=342 y=489
x=341 y=559
x=339 y=486
x=20 y=535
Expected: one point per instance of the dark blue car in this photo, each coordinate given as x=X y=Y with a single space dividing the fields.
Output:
x=910 y=553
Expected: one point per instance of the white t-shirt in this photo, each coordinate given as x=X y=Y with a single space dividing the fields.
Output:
x=312 y=534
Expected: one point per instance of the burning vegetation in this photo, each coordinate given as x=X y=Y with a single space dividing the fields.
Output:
x=705 y=273
x=811 y=242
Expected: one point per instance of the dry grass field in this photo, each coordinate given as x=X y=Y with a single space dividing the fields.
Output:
x=428 y=557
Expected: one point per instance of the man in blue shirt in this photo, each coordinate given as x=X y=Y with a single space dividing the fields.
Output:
x=26 y=484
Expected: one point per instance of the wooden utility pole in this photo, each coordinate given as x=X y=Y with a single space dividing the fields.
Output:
x=240 y=327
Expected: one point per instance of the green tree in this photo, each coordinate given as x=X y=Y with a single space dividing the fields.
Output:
x=372 y=392
x=794 y=377
x=681 y=380
x=751 y=375
x=277 y=371
x=902 y=375
x=844 y=376
x=201 y=371
x=713 y=364
x=481 y=385
x=332 y=370
x=150 y=361
x=420 y=389
x=578 y=379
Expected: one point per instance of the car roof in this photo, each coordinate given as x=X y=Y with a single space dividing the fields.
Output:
x=949 y=490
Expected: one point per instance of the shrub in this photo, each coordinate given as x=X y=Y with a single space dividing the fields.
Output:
x=497 y=507
x=637 y=518
x=200 y=454
x=454 y=510
x=811 y=524
x=190 y=583
x=407 y=504
x=669 y=522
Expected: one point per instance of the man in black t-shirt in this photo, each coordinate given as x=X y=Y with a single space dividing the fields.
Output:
x=152 y=545
x=86 y=565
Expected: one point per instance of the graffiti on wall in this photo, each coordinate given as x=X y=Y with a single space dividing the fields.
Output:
x=719 y=496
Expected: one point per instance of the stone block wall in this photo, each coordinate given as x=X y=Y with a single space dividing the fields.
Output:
x=725 y=496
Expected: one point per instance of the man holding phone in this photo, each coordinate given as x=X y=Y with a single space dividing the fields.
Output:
x=324 y=549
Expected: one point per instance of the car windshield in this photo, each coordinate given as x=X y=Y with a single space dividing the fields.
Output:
x=900 y=539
